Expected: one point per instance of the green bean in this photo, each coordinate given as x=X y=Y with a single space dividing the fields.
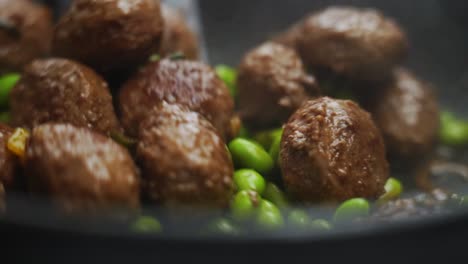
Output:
x=273 y=194
x=249 y=180
x=250 y=155
x=229 y=76
x=269 y=216
x=393 y=190
x=244 y=205
x=146 y=224
x=7 y=82
x=351 y=210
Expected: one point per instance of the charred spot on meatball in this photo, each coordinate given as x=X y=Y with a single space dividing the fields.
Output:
x=25 y=33
x=177 y=35
x=331 y=151
x=60 y=90
x=80 y=170
x=184 y=160
x=361 y=44
x=188 y=83
x=109 y=35
x=272 y=84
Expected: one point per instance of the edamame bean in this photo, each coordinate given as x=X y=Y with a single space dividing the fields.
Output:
x=244 y=205
x=273 y=194
x=229 y=76
x=7 y=82
x=265 y=138
x=269 y=216
x=321 y=225
x=275 y=146
x=223 y=226
x=453 y=132
x=250 y=155
x=249 y=180
x=393 y=190
x=299 y=218
x=146 y=224
x=351 y=210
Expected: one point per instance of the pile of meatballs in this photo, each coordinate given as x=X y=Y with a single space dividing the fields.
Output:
x=88 y=77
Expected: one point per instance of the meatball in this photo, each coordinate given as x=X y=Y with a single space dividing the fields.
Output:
x=109 y=35
x=407 y=113
x=272 y=84
x=188 y=83
x=25 y=33
x=80 y=170
x=332 y=151
x=59 y=90
x=177 y=36
x=184 y=161
x=360 y=44
x=8 y=161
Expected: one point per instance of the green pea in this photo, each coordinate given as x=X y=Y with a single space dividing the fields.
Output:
x=275 y=146
x=229 y=76
x=266 y=138
x=223 y=226
x=250 y=155
x=273 y=194
x=453 y=132
x=299 y=218
x=393 y=190
x=146 y=224
x=351 y=210
x=249 y=180
x=321 y=225
x=5 y=117
x=244 y=205
x=269 y=216
x=7 y=82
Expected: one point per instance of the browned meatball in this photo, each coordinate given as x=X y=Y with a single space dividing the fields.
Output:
x=184 y=161
x=59 y=90
x=80 y=170
x=109 y=35
x=8 y=161
x=177 y=36
x=25 y=33
x=332 y=151
x=188 y=83
x=407 y=113
x=357 y=43
x=272 y=84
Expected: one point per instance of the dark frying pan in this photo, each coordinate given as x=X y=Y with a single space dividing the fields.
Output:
x=439 y=37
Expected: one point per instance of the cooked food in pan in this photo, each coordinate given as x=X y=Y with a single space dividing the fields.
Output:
x=256 y=143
